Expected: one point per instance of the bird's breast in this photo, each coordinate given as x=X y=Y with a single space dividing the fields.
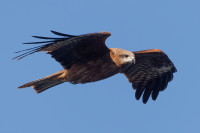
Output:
x=91 y=71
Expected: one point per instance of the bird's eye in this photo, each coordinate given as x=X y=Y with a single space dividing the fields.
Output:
x=126 y=55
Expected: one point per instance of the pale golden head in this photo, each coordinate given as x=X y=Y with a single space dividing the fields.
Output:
x=122 y=57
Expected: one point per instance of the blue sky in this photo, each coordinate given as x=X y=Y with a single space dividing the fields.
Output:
x=109 y=105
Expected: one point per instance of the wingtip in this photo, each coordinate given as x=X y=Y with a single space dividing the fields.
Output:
x=62 y=34
x=16 y=58
x=174 y=69
x=144 y=102
x=52 y=31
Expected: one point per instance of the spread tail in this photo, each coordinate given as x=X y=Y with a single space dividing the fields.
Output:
x=46 y=82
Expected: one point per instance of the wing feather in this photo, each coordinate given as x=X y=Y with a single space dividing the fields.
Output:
x=62 y=34
x=70 y=49
x=150 y=74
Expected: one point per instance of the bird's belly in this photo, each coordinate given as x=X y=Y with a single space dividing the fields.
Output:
x=91 y=72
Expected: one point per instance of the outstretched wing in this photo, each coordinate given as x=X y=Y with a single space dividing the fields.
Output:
x=70 y=49
x=150 y=74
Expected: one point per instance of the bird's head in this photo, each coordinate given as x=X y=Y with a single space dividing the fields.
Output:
x=121 y=57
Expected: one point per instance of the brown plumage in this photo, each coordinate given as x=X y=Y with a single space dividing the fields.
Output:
x=86 y=58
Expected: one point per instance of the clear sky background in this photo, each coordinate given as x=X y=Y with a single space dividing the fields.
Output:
x=107 y=106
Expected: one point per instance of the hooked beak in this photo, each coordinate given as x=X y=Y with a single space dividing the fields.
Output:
x=133 y=60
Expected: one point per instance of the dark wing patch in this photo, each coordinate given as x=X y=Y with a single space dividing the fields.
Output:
x=150 y=74
x=70 y=49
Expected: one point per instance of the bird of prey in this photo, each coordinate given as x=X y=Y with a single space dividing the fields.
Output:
x=86 y=58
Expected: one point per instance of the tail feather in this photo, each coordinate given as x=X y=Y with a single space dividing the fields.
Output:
x=46 y=82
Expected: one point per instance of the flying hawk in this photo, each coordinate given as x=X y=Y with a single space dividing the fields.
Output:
x=86 y=58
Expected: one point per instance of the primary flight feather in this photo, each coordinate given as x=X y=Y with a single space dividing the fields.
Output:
x=86 y=58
